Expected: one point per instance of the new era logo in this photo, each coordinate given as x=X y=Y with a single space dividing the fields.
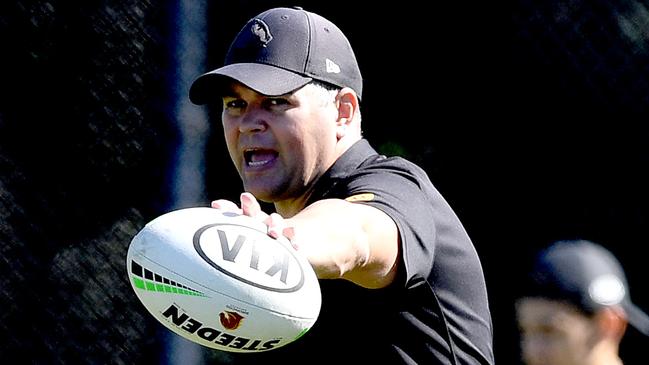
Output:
x=331 y=66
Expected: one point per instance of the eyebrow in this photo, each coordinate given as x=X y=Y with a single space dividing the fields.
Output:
x=229 y=93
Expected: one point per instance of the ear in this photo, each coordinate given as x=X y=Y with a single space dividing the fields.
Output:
x=612 y=323
x=347 y=104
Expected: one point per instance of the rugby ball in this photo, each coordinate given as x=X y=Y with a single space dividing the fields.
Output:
x=216 y=278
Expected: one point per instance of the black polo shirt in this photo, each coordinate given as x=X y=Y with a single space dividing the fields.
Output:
x=436 y=312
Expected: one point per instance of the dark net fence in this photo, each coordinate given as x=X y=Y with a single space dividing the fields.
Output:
x=584 y=57
x=86 y=139
x=82 y=158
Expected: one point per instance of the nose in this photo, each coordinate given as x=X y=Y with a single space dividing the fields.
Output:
x=253 y=121
x=535 y=351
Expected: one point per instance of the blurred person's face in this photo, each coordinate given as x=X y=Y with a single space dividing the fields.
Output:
x=554 y=333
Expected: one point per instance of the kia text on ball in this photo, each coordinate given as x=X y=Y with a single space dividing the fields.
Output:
x=277 y=265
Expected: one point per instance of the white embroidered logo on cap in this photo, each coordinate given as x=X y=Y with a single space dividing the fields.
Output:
x=261 y=30
x=332 y=67
x=607 y=290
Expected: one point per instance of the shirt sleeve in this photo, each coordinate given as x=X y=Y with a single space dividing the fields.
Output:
x=401 y=197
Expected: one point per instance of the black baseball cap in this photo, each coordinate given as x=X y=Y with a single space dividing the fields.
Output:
x=587 y=275
x=280 y=51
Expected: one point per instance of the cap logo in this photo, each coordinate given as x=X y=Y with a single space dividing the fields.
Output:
x=607 y=290
x=261 y=30
x=331 y=66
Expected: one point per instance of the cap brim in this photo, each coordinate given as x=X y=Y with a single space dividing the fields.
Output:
x=637 y=318
x=264 y=79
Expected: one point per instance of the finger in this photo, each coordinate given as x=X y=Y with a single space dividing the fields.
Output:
x=226 y=205
x=289 y=233
x=250 y=206
x=275 y=223
x=278 y=229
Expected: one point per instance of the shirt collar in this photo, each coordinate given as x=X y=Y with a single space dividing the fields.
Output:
x=349 y=161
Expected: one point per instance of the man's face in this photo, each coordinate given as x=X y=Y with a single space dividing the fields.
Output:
x=280 y=145
x=554 y=332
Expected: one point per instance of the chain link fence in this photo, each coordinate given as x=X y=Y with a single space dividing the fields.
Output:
x=82 y=157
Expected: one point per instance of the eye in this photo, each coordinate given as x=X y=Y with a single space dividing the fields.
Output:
x=276 y=102
x=232 y=103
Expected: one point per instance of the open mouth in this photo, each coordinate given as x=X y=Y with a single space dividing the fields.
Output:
x=259 y=157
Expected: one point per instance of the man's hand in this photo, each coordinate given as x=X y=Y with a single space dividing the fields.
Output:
x=249 y=206
x=277 y=227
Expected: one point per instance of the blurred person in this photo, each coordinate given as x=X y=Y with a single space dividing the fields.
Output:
x=400 y=278
x=576 y=307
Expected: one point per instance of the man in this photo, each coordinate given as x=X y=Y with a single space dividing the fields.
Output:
x=577 y=307
x=406 y=285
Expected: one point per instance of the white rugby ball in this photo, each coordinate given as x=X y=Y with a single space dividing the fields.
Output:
x=216 y=278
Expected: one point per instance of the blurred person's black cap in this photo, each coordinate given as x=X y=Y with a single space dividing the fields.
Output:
x=280 y=51
x=587 y=275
